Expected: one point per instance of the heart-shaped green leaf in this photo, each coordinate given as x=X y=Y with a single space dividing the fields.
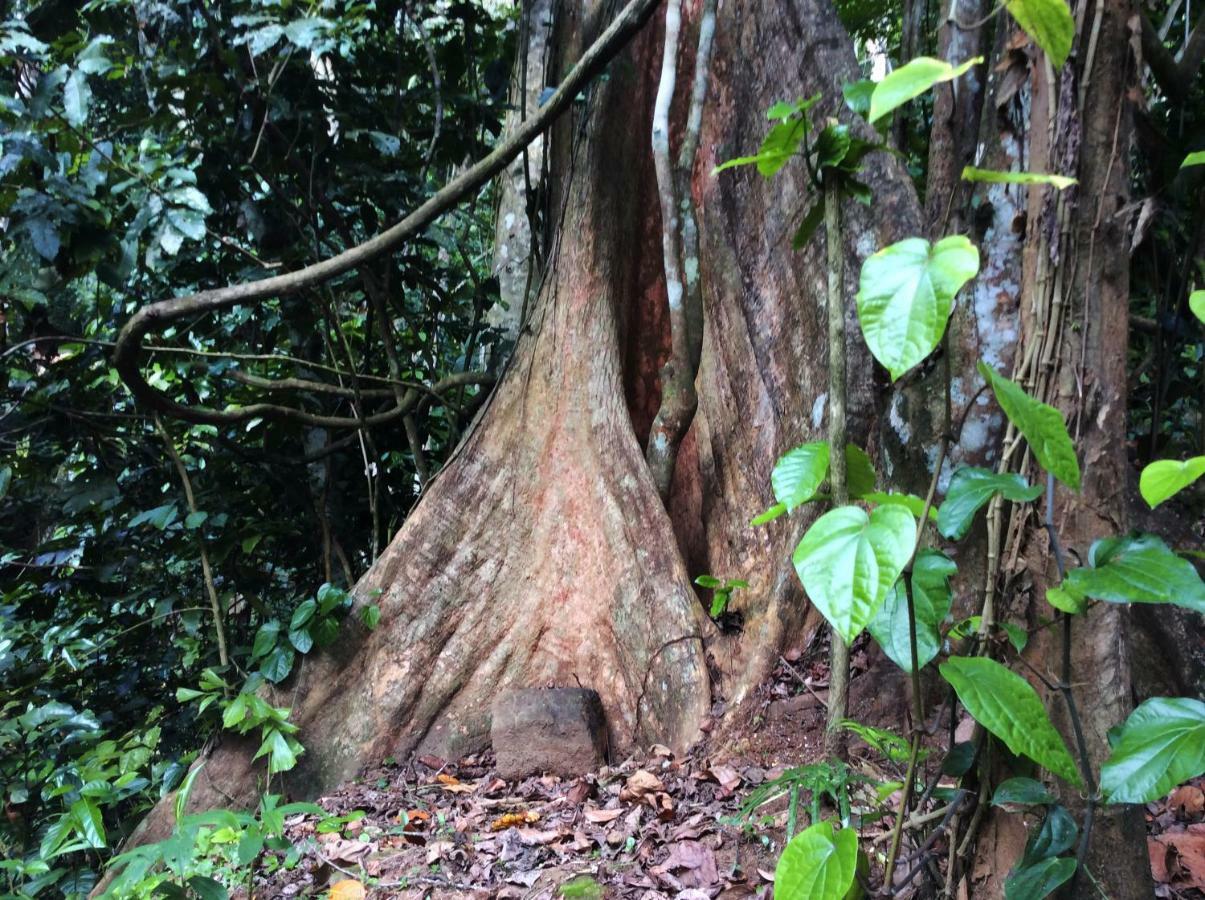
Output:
x=799 y=473
x=969 y=489
x=1049 y=23
x=1161 y=745
x=911 y=80
x=1006 y=705
x=1167 y=477
x=1038 y=881
x=849 y=560
x=817 y=864
x=931 y=572
x=905 y=296
x=1042 y=426
x=1137 y=569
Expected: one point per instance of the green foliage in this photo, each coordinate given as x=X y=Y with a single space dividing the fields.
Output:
x=1135 y=569
x=1039 y=880
x=781 y=142
x=1196 y=300
x=1042 y=426
x=1021 y=791
x=820 y=780
x=1165 y=478
x=911 y=80
x=970 y=488
x=848 y=561
x=905 y=295
x=798 y=474
x=1196 y=158
x=1161 y=745
x=722 y=591
x=817 y=864
x=930 y=585
x=1006 y=705
x=1049 y=23
x=989 y=176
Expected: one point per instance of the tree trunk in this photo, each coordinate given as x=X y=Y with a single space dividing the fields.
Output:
x=542 y=554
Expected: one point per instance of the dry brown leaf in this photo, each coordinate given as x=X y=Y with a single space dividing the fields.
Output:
x=347 y=889
x=513 y=820
x=640 y=784
x=602 y=816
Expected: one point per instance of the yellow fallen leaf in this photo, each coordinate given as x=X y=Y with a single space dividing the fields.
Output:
x=347 y=889
x=513 y=820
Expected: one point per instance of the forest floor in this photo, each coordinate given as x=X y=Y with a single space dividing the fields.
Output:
x=651 y=827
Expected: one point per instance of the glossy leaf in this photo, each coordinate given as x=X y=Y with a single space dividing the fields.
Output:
x=77 y=97
x=817 y=864
x=1196 y=158
x=1021 y=792
x=970 y=488
x=859 y=472
x=1137 y=569
x=990 y=176
x=911 y=502
x=778 y=509
x=1066 y=601
x=1049 y=23
x=1057 y=834
x=1039 y=880
x=1164 y=479
x=905 y=296
x=1161 y=745
x=931 y=572
x=1042 y=425
x=849 y=560
x=911 y=80
x=1006 y=705
x=799 y=473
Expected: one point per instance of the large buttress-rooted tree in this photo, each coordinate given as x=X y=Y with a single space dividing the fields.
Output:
x=543 y=553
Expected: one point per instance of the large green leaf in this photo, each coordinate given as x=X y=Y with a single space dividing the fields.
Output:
x=799 y=473
x=931 y=572
x=1038 y=881
x=1042 y=426
x=1161 y=745
x=817 y=864
x=1049 y=23
x=1167 y=477
x=849 y=560
x=1022 y=792
x=969 y=489
x=1006 y=705
x=860 y=476
x=1056 y=835
x=1196 y=300
x=1137 y=569
x=781 y=142
x=1196 y=158
x=905 y=296
x=911 y=80
x=991 y=176
x=77 y=97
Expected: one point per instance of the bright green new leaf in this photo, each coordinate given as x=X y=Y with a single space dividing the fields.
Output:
x=1196 y=158
x=970 y=488
x=991 y=176
x=799 y=473
x=1137 y=569
x=905 y=295
x=780 y=144
x=817 y=864
x=849 y=560
x=89 y=825
x=1006 y=705
x=235 y=712
x=1162 y=744
x=1042 y=426
x=1196 y=302
x=1066 y=601
x=931 y=572
x=1049 y=23
x=1039 y=880
x=911 y=80
x=1167 y=477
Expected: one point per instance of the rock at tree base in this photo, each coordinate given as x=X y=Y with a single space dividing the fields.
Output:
x=560 y=731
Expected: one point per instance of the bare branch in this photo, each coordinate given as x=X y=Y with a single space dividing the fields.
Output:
x=160 y=315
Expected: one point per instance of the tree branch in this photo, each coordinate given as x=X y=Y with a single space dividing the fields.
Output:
x=160 y=315
x=1174 y=78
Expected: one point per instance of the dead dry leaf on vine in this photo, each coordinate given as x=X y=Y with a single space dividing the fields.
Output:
x=347 y=889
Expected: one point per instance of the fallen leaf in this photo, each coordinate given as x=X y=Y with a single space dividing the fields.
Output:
x=512 y=820
x=640 y=784
x=602 y=816
x=347 y=889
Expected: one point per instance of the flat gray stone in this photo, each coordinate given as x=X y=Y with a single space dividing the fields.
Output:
x=556 y=731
